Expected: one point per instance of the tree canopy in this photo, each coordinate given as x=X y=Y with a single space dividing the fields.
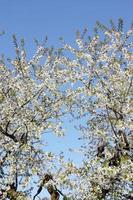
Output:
x=92 y=82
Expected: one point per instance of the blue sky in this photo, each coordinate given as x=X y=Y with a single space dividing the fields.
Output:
x=37 y=18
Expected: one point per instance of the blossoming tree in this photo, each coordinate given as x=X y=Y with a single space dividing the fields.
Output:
x=94 y=85
x=30 y=104
x=102 y=71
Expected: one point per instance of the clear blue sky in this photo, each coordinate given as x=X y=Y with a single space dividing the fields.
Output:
x=37 y=18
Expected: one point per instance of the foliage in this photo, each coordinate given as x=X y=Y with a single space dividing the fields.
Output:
x=103 y=67
x=31 y=99
x=95 y=85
